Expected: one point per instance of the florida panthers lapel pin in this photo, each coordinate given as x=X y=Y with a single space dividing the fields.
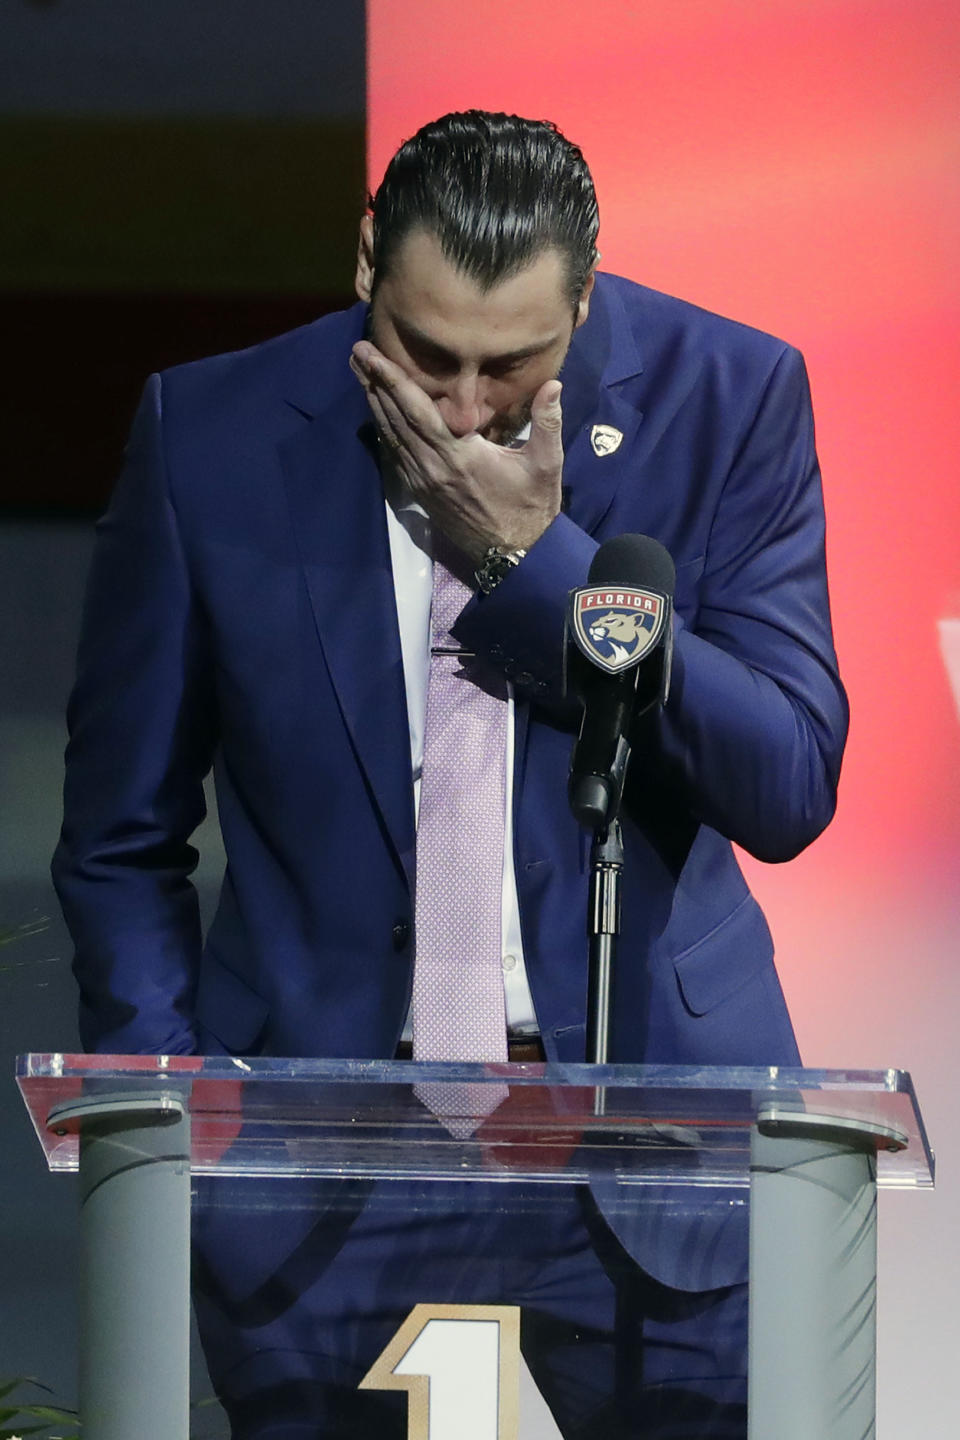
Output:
x=605 y=439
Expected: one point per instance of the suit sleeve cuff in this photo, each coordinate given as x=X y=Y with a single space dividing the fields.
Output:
x=519 y=626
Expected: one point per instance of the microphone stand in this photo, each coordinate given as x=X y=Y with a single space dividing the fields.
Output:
x=606 y=871
x=603 y=928
x=595 y=801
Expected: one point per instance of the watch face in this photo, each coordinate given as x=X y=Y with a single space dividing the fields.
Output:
x=492 y=569
x=494 y=565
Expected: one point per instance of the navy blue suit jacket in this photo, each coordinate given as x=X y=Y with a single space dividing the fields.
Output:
x=241 y=613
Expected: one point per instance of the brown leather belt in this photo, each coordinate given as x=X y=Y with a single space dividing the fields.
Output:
x=521 y=1050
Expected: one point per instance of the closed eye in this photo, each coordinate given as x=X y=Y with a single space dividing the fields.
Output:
x=433 y=359
x=430 y=360
x=499 y=369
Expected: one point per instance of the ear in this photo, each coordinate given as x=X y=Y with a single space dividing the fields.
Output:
x=363 y=282
x=583 y=304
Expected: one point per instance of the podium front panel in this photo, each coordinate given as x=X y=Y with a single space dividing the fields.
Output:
x=463 y=1252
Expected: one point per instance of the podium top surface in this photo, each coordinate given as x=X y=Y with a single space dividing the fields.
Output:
x=546 y=1122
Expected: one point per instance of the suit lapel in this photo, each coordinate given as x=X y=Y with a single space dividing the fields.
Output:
x=603 y=354
x=337 y=507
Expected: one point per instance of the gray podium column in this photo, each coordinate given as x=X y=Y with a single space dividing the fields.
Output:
x=134 y=1265
x=813 y=1273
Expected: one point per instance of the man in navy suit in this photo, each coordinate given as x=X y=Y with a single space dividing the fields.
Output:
x=257 y=604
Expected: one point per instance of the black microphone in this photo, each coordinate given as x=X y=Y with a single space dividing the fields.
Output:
x=618 y=650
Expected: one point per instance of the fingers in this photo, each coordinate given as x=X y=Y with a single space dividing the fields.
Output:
x=545 y=446
x=371 y=367
x=384 y=426
x=412 y=456
x=545 y=411
x=411 y=409
x=408 y=428
x=407 y=420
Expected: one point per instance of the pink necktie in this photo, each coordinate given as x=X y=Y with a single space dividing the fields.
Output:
x=458 y=1001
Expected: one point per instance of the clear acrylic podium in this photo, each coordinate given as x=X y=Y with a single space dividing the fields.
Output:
x=796 y=1154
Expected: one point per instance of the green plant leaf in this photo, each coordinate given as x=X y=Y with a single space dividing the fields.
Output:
x=19 y=1432
x=50 y=1413
x=7 y=1385
x=29 y=927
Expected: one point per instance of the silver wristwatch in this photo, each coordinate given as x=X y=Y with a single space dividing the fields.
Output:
x=496 y=563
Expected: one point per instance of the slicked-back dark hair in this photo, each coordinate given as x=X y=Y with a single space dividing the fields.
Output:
x=496 y=191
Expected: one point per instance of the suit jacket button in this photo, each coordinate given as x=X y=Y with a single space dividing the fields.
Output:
x=401 y=933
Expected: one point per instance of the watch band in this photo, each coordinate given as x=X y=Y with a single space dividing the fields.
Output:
x=496 y=563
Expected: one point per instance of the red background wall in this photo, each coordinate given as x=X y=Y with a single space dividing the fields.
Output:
x=796 y=164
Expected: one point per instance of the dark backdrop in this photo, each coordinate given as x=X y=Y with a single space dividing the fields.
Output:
x=176 y=180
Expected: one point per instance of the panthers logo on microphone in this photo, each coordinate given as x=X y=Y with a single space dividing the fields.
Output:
x=614 y=625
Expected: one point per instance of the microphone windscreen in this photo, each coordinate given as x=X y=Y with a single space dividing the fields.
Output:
x=634 y=560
